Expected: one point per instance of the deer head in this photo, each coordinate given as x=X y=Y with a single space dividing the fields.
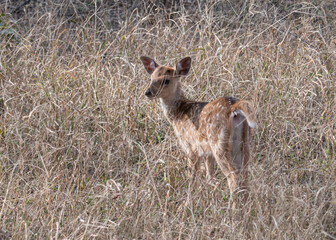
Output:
x=165 y=81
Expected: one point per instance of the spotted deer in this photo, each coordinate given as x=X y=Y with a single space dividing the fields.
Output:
x=216 y=131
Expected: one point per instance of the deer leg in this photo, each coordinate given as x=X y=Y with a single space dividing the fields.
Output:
x=193 y=165
x=222 y=158
x=232 y=182
x=244 y=188
x=242 y=169
x=210 y=167
x=239 y=150
x=246 y=154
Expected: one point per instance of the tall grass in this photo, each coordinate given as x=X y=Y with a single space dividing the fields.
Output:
x=84 y=155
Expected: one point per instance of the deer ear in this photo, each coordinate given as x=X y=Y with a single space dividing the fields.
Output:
x=183 y=66
x=149 y=64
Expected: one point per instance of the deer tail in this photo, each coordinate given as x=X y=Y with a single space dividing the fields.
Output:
x=246 y=109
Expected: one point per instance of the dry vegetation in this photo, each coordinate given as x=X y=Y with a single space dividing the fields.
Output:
x=84 y=155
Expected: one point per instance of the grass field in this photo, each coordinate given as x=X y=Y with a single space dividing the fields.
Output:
x=84 y=154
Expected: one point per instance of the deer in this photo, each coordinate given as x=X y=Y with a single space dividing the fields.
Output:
x=212 y=132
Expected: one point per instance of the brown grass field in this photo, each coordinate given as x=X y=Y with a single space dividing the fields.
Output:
x=85 y=155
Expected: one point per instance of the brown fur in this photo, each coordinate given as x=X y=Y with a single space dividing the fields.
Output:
x=217 y=131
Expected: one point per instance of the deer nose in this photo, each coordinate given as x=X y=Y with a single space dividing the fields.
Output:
x=148 y=93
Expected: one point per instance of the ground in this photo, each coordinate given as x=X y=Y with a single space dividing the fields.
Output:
x=85 y=155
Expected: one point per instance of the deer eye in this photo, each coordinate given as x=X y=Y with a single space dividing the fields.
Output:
x=166 y=81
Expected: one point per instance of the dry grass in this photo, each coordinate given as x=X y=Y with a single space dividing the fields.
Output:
x=84 y=155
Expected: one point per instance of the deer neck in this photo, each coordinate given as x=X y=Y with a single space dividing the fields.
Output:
x=172 y=105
